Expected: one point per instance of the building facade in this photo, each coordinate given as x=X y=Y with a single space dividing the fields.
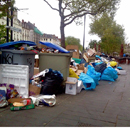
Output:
x=127 y=48
x=51 y=38
x=27 y=31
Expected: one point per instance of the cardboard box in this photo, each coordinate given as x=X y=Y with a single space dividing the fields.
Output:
x=71 y=79
x=71 y=86
x=12 y=100
x=81 y=69
x=34 y=90
x=80 y=66
x=73 y=47
x=13 y=108
x=36 y=63
x=85 y=57
x=74 y=68
x=91 y=52
x=91 y=59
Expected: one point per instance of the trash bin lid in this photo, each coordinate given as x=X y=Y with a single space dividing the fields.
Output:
x=17 y=51
x=54 y=46
x=6 y=45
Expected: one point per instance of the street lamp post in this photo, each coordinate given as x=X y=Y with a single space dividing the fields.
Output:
x=11 y=22
x=84 y=31
x=7 y=30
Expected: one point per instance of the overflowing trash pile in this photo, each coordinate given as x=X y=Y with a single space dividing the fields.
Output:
x=96 y=66
x=84 y=74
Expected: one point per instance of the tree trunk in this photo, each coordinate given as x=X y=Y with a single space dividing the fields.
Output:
x=62 y=26
x=62 y=33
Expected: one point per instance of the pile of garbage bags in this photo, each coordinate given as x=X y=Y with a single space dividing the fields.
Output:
x=99 y=68
x=50 y=81
x=85 y=74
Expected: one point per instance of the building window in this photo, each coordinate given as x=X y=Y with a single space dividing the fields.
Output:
x=14 y=37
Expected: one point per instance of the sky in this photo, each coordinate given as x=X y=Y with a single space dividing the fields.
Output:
x=48 y=20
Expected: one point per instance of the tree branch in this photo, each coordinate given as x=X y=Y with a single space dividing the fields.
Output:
x=66 y=5
x=76 y=11
x=78 y=16
x=51 y=6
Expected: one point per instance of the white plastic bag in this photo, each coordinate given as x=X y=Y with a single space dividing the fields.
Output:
x=47 y=100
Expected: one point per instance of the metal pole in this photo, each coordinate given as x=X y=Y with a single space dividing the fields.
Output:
x=84 y=31
x=7 y=30
x=11 y=22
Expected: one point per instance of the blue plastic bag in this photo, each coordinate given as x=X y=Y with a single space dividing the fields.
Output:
x=98 y=57
x=2 y=95
x=109 y=74
x=120 y=68
x=96 y=63
x=83 y=61
x=93 y=74
x=88 y=82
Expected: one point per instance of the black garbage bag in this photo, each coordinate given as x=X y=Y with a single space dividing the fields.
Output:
x=101 y=67
x=52 y=83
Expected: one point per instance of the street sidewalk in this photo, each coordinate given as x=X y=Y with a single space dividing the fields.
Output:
x=107 y=106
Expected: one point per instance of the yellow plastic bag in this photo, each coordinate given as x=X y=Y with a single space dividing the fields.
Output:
x=72 y=73
x=113 y=63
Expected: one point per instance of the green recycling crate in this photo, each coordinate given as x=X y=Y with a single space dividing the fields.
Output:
x=55 y=61
x=77 y=60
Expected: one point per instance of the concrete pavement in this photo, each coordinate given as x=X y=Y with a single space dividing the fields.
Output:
x=107 y=106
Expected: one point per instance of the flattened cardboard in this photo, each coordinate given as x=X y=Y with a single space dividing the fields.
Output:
x=91 y=59
x=73 y=47
x=68 y=82
x=13 y=108
x=85 y=57
x=71 y=79
x=80 y=69
x=85 y=70
x=91 y=52
x=34 y=90
x=74 y=68
x=80 y=66
x=12 y=100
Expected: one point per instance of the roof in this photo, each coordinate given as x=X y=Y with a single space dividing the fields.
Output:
x=33 y=27
x=37 y=31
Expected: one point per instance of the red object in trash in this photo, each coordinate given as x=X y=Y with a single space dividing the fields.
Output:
x=26 y=101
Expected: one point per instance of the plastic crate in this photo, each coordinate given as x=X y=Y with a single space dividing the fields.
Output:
x=17 y=75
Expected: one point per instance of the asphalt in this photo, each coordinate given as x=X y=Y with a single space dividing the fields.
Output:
x=107 y=106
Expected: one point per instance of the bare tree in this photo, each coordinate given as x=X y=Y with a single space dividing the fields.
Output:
x=70 y=10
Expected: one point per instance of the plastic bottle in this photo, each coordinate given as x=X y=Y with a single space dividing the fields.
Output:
x=26 y=102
